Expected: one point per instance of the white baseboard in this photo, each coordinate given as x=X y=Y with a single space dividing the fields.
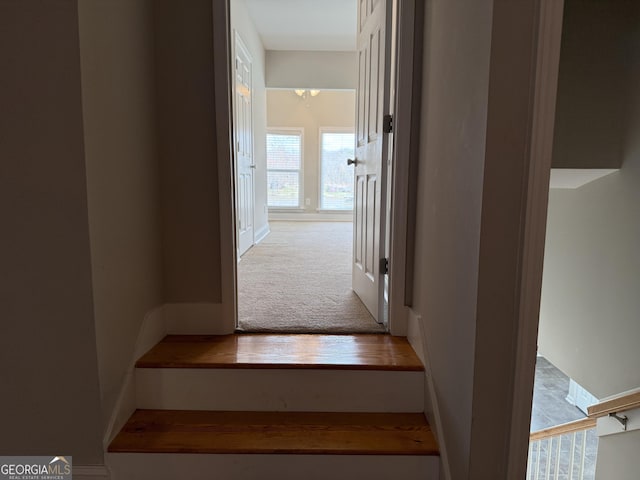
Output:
x=90 y=472
x=310 y=217
x=196 y=319
x=416 y=335
x=261 y=234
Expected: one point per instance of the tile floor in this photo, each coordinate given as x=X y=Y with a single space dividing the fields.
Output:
x=549 y=392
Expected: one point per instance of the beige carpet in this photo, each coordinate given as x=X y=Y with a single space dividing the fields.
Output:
x=298 y=279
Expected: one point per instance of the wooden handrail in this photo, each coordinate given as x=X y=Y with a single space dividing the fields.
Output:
x=618 y=404
x=570 y=427
x=621 y=403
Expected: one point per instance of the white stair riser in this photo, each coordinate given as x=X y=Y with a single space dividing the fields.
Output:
x=280 y=390
x=157 y=466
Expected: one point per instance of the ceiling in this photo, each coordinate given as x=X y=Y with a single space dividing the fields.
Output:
x=319 y=25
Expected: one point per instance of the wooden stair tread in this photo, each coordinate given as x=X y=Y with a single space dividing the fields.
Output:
x=214 y=432
x=354 y=352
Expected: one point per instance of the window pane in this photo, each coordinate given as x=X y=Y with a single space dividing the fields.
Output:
x=336 y=183
x=283 y=151
x=284 y=157
x=283 y=189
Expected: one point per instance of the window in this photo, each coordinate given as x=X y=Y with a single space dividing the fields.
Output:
x=336 y=177
x=284 y=159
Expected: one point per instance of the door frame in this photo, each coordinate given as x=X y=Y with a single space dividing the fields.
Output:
x=408 y=47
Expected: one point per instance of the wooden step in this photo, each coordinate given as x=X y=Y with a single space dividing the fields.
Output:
x=350 y=352
x=210 y=432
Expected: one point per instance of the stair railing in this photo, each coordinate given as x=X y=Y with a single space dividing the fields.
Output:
x=569 y=451
x=560 y=452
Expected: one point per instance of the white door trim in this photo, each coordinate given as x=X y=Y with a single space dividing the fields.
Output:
x=226 y=183
x=404 y=160
x=545 y=81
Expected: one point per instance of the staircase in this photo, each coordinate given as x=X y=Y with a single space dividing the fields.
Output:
x=255 y=406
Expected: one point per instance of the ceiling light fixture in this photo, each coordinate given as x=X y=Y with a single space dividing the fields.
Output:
x=305 y=94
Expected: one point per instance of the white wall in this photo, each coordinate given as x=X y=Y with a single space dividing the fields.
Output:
x=589 y=325
x=618 y=456
x=242 y=23
x=328 y=109
x=118 y=92
x=295 y=69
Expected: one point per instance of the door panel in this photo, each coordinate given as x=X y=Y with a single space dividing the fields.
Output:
x=371 y=153
x=243 y=141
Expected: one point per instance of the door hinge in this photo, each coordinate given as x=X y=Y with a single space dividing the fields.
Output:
x=384 y=266
x=387 y=123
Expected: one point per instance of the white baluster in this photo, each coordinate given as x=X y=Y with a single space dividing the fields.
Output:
x=548 y=459
x=583 y=453
x=572 y=453
x=558 y=449
x=538 y=462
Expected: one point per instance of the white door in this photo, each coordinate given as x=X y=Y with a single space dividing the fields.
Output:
x=371 y=154
x=243 y=141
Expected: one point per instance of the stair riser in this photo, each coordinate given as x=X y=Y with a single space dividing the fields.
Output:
x=134 y=466
x=280 y=390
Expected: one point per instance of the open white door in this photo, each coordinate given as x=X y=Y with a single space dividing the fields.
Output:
x=243 y=144
x=371 y=154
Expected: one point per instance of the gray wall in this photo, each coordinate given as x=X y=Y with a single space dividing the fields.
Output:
x=50 y=398
x=118 y=90
x=187 y=151
x=473 y=169
x=593 y=84
x=453 y=129
x=590 y=307
x=304 y=69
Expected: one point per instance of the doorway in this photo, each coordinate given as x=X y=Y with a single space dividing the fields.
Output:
x=405 y=77
x=292 y=175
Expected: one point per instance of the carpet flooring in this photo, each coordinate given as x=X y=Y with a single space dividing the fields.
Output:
x=298 y=280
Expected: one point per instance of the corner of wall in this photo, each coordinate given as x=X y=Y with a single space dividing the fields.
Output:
x=173 y=318
x=152 y=330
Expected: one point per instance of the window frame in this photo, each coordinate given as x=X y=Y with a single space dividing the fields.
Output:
x=287 y=131
x=321 y=131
